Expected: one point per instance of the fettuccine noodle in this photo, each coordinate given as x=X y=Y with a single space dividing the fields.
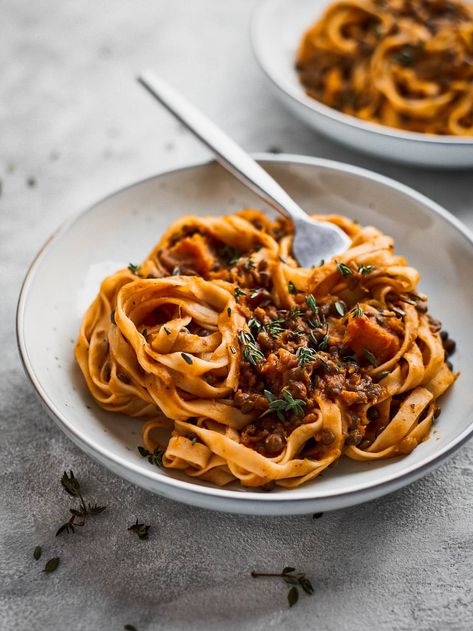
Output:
x=247 y=367
x=403 y=63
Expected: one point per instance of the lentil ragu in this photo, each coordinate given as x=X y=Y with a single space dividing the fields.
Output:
x=297 y=366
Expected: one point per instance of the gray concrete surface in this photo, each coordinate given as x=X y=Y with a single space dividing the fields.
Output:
x=73 y=119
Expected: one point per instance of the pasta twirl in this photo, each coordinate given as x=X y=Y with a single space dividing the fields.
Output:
x=247 y=367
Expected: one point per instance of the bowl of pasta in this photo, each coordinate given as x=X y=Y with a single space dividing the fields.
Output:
x=187 y=351
x=392 y=78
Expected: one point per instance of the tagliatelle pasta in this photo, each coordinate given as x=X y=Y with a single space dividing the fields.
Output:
x=247 y=367
x=403 y=63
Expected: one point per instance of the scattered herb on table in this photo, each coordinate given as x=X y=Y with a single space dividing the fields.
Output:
x=37 y=552
x=317 y=515
x=141 y=530
x=72 y=487
x=294 y=580
x=51 y=565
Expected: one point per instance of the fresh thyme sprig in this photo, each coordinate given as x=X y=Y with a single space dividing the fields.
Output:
x=141 y=530
x=292 y=580
x=72 y=487
x=251 y=353
x=274 y=328
x=286 y=404
x=305 y=355
x=156 y=457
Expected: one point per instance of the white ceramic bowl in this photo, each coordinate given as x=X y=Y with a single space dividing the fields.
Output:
x=276 y=30
x=65 y=277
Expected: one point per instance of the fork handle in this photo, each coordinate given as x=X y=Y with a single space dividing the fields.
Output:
x=227 y=152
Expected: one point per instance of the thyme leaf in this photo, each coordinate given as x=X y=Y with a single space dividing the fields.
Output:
x=140 y=529
x=134 y=269
x=344 y=270
x=294 y=580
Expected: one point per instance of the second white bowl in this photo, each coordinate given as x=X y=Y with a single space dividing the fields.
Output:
x=276 y=30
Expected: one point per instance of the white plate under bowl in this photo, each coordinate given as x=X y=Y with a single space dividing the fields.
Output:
x=65 y=277
x=276 y=30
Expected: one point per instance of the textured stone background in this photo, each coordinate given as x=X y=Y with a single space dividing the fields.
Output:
x=74 y=127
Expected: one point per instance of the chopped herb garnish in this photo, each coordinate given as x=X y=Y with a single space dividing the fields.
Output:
x=292 y=580
x=112 y=316
x=251 y=353
x=233 y=349
x=176 y=271
x=283 y=259
x=357 y=311
x=37 y=552
x=144 y=333
x=344 y=270
x=365 y=269
x=292 y=289
x=255 y=326
x=237 y=293
x=323 y=344
x=134 y=269
x=294 y=313
x=229 y=311
x=274 y=328
x=51 y=565
x=370 y=357
x=249 y=264
x=72 y=487
x=312 y=304
x=305 y=355
x=166 y=330
x=286 y=404
x=340 y=308
x=322 y=262
x=187 y=358
x=140 y=529
x=155 y=458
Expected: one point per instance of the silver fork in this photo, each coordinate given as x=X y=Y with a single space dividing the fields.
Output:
x=313 y=240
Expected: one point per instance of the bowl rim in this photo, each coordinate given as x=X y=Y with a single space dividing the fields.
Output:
x=95 y=449
x=320 y=108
